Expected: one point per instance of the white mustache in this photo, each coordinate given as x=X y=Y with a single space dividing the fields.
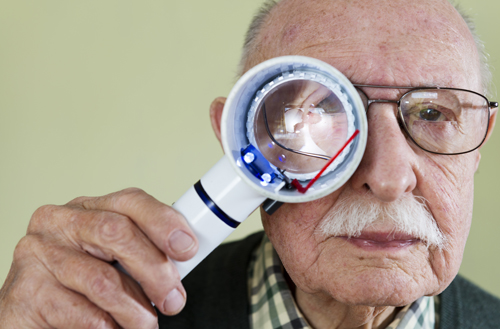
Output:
x=351 y=215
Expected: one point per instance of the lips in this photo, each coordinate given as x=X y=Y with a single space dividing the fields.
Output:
x=382 y=240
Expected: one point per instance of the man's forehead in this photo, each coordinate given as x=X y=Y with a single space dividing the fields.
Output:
x=376 y=42
x=300 y=21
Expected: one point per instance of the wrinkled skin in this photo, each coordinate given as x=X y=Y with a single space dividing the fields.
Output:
x=61 y=277
x=425 y=43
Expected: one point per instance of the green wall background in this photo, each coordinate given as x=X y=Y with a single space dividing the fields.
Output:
x=100 y=95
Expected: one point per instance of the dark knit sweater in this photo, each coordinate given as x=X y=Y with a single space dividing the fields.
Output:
x=218 y=295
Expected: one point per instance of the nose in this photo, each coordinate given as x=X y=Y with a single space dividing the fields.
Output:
x=388 y=165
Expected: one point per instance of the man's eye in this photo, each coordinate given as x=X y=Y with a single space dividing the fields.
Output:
x=330 y=105
x=430 y=114
x=324 y=104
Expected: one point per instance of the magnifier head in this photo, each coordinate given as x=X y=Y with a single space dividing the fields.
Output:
x=298 y=112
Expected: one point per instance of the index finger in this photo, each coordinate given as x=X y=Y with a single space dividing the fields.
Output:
x=163 y=225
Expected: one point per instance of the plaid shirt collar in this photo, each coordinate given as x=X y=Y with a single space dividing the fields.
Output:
x=272 y=305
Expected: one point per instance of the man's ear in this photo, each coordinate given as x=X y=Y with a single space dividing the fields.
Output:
x=493 y=117
x=216 y=115
x=491 y=125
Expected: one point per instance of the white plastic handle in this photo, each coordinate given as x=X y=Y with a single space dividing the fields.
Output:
x=213 y=212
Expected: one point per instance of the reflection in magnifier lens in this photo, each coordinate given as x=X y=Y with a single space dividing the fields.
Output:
x=299 y=125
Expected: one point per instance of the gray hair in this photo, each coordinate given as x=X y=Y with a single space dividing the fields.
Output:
x=260 y=18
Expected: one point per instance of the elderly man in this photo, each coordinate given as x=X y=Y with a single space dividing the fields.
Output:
x=303 y=273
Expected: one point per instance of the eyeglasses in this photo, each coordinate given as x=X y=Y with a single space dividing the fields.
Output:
x=440 y=120
x=309 y=121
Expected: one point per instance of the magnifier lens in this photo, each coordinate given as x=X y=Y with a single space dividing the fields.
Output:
x=306 y=125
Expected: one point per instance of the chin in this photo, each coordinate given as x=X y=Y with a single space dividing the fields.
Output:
x=372 y=277
x=379 y=289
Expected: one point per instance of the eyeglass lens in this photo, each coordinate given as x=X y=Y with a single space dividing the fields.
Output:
x=445 y=120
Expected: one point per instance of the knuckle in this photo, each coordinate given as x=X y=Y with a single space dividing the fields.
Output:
x=132 y=190
x=117 y=230
x=62 y=308
x=25 y=248
x=48 y=306
x=40 y=217
x=45 y=211
x=26 y=285
x=130 y=196
x=105 y=284
x=131 y=193
x=99 y=320
x=81 y=200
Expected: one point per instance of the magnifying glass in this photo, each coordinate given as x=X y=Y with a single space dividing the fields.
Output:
x=293 y=129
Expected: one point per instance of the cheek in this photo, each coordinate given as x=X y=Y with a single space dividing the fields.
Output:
x=448 y=186
x=292 y=230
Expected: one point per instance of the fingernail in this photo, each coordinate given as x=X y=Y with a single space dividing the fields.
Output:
x=180 y=241
x=174 y=302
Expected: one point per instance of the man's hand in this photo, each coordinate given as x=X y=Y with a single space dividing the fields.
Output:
x=61 y=276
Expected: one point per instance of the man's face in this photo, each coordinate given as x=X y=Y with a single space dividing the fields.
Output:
x=396 y=43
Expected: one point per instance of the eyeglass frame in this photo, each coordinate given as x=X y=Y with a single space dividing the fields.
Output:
x=491 y=105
